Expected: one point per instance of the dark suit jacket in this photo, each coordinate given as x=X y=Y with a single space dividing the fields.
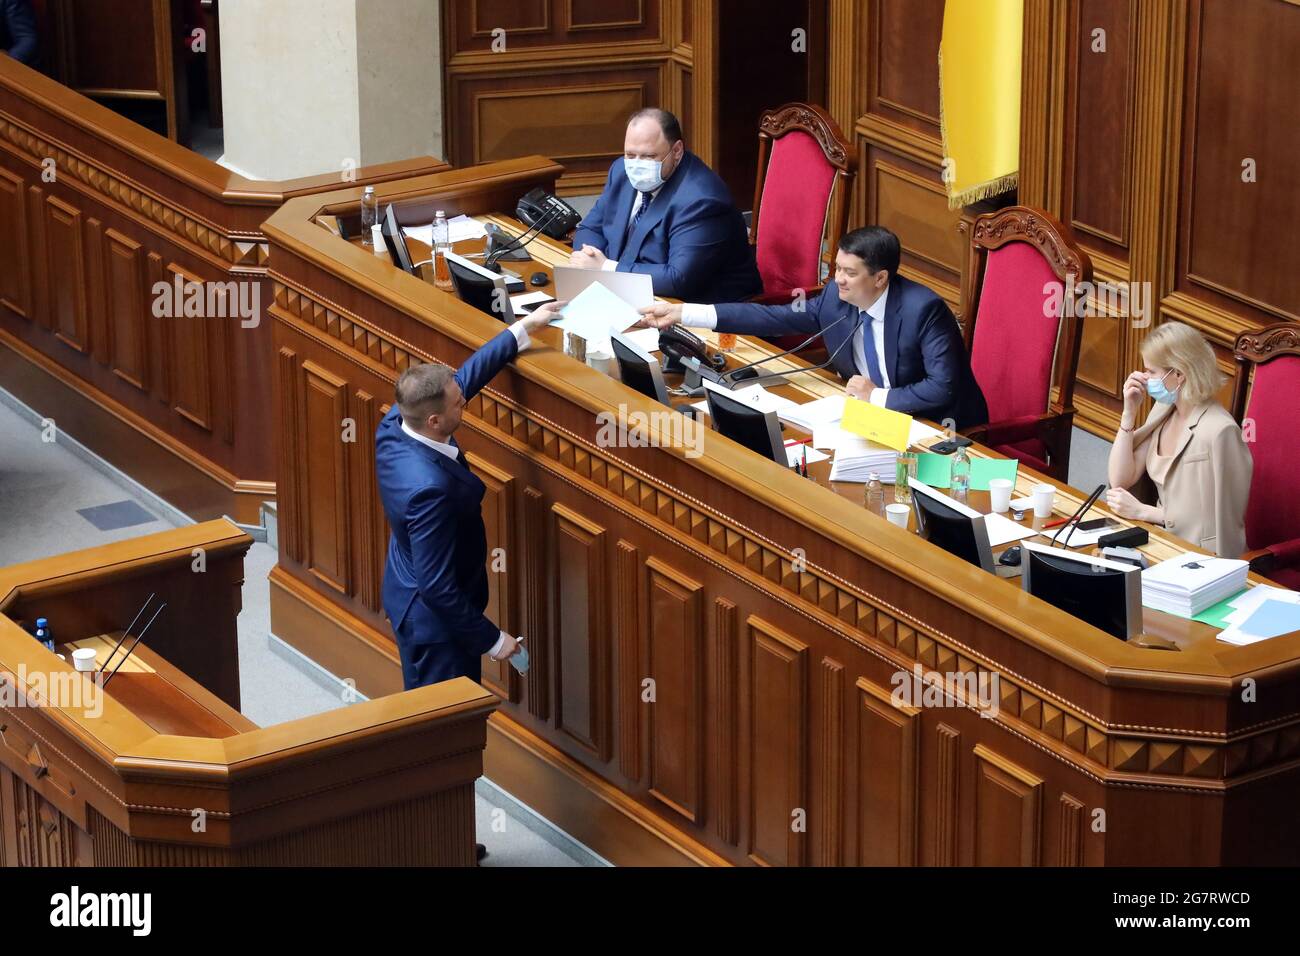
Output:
x=435 y=582
x=18 y=30
x=692 y=239
x=925 y=358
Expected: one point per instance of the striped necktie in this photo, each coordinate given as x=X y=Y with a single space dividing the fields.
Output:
x=646 y=199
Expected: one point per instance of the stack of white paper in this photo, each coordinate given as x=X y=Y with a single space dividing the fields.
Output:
x=1188 y=584
x=1261 y=613
x=813 y=415
x=856 y=458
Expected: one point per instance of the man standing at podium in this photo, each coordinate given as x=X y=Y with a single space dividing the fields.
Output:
x=435 y=582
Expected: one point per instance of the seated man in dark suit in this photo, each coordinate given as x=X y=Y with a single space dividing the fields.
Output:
x=435 y=581
x=18 y=30
x=895 y=342
x=666 y=214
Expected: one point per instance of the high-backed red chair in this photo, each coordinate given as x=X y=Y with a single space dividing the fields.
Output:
x=1022 y=269
x=801 y=201
x=1265 y=404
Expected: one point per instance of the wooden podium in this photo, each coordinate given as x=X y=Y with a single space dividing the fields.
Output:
x=159 y=767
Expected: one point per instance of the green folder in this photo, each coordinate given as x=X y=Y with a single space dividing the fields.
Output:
x=936 y=470
x=1215 y=614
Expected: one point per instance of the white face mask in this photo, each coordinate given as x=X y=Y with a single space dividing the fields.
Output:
x=645 y=175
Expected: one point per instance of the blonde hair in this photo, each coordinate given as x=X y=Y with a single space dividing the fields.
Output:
x=1174 y=345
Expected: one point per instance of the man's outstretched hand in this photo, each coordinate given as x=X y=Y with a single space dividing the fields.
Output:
x=660 y=315
x=542 y=316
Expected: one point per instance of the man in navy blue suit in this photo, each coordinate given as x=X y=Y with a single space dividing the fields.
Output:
x=664 y=213
x=895 y=342
x=435 y=582
x=18 y=30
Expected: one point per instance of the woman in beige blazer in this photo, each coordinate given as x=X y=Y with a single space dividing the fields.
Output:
x=1189 y=446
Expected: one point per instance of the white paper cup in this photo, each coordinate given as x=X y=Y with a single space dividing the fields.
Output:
x=1043 y=495
x=897 y=514
x=83 y=658
x=1000 y=494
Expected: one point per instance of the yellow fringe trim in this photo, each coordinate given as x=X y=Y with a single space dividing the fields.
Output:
x=986 y=190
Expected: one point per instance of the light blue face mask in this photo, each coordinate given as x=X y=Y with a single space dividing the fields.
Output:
x=1157 y=390
x=520 y=661
x=645 y=175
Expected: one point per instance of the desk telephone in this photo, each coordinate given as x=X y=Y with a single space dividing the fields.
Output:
x=540 y=206
x=677 y=344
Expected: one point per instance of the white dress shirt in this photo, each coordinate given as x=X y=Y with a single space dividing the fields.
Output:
x=453 y=452
x=706 y=317
x=611 y=264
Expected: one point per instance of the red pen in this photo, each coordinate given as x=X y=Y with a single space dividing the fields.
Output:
x=1055 y=524
x=805 y=461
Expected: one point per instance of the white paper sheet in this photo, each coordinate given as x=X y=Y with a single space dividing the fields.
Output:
x=1002 y=530
x=594 y=313
x=634 y=288
x=794 y=453
x=645 y=339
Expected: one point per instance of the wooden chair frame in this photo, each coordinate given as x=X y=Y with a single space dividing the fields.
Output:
x=1255 y=348
x=1071 y=265
x=818 y=124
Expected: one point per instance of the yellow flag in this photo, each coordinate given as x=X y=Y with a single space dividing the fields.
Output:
x=979 y=96
x=881 y=425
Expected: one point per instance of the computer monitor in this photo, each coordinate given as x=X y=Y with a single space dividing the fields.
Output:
x=1106 y=594
x=951 y=525
x=483 y=289
x=395 y=240
x=757 y=431
x=638 y=369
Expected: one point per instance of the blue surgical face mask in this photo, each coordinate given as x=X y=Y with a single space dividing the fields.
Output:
x=1157 y=390
x=645 y=175
x=520 y=660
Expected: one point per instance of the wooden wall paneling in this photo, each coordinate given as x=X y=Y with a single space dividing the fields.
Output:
x=65 y=256
x=1072 y=823
x=289 y=461
x=947 y=792
x=581 y=631
x=324 y=506
x=627 y=611
x=777 y=699
x=15 y=277
x=371 y=551
x=189 y=355
x=831 y=782
x=726 y=720
x=38 y=259
x=499 y=521
x=675 y=645
x=888 y=771
x=1008 y=812
x=1042 y=104
x=96 y=291
x=537 y=620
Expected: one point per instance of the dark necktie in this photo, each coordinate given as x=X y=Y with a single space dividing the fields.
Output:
x=646 y=199
x=869 y=349
x=460 y=454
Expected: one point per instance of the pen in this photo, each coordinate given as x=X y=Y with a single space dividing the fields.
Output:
x=798 y=441
x=1055 y=524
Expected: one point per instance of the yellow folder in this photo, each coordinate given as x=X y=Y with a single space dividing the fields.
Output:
x=888 y=428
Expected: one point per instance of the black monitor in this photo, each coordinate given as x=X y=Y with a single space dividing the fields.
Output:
x=1106 y=594
x=395 y=240
x=484 y=290
x=951 y=525
x=757 y=431
x=639 y=370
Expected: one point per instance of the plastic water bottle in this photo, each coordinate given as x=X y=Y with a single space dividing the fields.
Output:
x=43 y=633
x=441 y=246
x=960 y=474
x=369 y=215
x=875 y=495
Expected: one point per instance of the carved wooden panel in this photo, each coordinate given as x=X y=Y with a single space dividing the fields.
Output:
x=675 y=641
x=888 y=778
x=726 y=720
x=831 y=812
x=1241 y=162
x=581 y=632
x=15 y=278
x=35 y=833
x=1071 y=828
x=532 y=24
x=903 y=66
x=40 y=260
x=129 y=310
x=946 y=789
x=778 y=746
x=537 y=622
x=1008 y=812
x=66 y=260
x=325 y=477
x=499 y=523
x=288 y=502
x=627 y=616
x=188 y=351
x=371 y=551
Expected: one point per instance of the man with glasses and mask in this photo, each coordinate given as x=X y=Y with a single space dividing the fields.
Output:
x=665 y=214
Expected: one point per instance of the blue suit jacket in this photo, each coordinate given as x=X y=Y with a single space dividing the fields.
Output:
x=925 y=358
x=435 y=581
x=18 y=30
x=692 y=239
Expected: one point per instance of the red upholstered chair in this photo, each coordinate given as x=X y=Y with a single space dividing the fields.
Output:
x=1265 y=404
x=801 y=200
x=1022 y=268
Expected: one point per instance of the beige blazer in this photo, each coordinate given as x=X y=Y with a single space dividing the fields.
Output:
x=1205 y=493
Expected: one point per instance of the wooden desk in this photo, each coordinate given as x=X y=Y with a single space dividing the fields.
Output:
x=157 y=766
x=716 y=642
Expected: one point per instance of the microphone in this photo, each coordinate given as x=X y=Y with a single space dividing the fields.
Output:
x=133 y=646
x=1083 y=510
x=812 y=338
x=769 y=376
x=491 y=259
